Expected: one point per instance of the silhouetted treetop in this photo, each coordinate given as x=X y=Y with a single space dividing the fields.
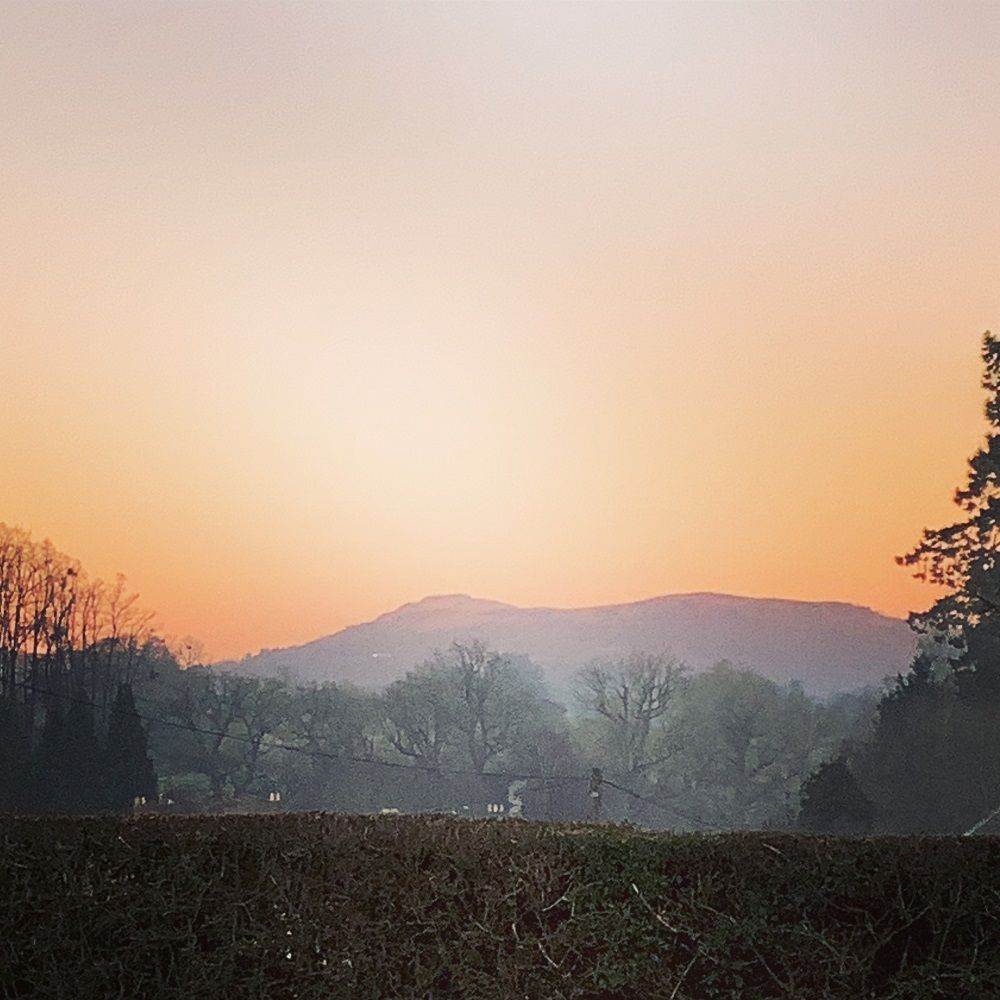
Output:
x=963 y=556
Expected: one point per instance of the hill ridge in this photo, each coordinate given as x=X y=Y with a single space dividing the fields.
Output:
x=826 y=645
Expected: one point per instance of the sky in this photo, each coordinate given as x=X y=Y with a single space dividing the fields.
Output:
x=309 y=310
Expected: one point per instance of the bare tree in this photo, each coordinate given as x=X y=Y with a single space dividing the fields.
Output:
x=630 y=694
x=417 y=719
x=494 y=700
x=470 y=706
x=61 y=633
x=229 y=719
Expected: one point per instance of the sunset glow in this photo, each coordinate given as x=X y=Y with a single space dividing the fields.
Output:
x=310 y=310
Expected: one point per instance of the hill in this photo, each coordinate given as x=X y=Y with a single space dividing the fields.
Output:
x=827 y=646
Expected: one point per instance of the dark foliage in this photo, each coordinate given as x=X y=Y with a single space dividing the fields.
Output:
x=128 y=771
x=314 y=905
x=80 y=763
x=833 y=802
x=963 y=557
x=15 y=757
x=932 y=763
x=70 y=768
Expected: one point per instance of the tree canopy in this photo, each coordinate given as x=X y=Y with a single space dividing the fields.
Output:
x=932 y=761
x=963 y=556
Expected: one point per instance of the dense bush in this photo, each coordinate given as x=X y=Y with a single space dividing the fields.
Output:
x=315 y=905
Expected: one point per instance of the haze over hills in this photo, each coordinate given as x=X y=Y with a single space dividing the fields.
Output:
x=827 y=646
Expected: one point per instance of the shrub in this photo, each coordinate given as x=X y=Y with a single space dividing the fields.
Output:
x=315 y=905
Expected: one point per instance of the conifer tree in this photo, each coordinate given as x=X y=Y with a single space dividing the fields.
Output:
x=833 y=802
x=933 y=763
x=80 y=761
x=45 y=790
x=15 y=757
x=963 y=557
x=128 y=769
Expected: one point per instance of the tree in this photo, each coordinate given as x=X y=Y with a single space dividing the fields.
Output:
x=911 y=767
x=494 y=700
x=129 y=772
x=15 y=757
x=64 y=638
x=833 y=802
x=418 y=717
x=471 y=707
x=80 y=761
x=933 y=763
x=628 y=696
x=228 y=720
x=46 y=787
x=334 y=726
x=741 y=747
x=963 y=557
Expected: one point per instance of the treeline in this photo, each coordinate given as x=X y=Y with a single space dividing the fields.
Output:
x=472 y=728
x=70 y=648
x=97 y=713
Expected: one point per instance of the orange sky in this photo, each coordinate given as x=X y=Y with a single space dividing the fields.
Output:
x=310 y=310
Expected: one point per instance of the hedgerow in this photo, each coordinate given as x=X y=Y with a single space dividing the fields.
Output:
x=319 y=905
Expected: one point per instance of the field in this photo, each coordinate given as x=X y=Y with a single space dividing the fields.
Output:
x=318 y=905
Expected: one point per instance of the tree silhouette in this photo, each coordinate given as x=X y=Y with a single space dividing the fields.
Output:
x=963 y=557
x=46 y=791
x=80 y=762
x=128 y=770
x=933 y=763
x=833 y=802
x=15 y=757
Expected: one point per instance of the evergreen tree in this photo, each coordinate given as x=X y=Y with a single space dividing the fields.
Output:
x=933 y=764
x=833 y=802
x=128 y=769
x=80 y=761
x=911 y=766
x=46 y=787
x=963 y=558
x=15 y=757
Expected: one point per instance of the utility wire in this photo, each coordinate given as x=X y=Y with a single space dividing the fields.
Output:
x=306 y=752
x=667 y=810
x=636 y=795
x=330 y=755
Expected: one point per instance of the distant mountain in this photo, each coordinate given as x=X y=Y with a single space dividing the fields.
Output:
x=827 y=646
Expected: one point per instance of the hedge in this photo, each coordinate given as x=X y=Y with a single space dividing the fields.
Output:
x=396 y=907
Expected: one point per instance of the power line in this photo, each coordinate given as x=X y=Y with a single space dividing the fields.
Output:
x=665 y=809
x=304 y=751
x=636 y=795
x=423 y=767
x=349 y=758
